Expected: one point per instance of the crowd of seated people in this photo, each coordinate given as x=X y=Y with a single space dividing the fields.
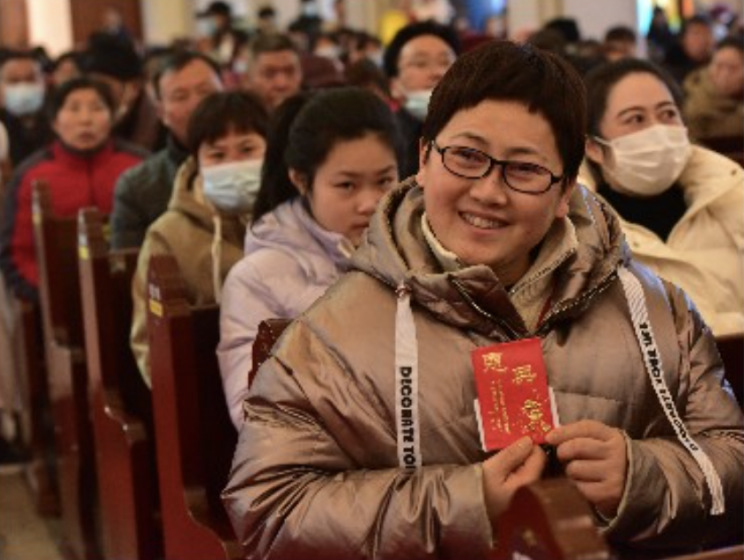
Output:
x=320 y=174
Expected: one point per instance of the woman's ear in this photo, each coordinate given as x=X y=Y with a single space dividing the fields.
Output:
x=423 y=156
x=299 y=180
x=562 y=209
x=594 y=151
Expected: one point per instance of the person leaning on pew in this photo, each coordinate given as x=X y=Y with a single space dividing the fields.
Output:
x=361 y=438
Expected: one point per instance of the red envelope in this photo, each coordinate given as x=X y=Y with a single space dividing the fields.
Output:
x=513 y=395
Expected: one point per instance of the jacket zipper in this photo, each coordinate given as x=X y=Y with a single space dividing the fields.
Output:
x=498 y=320
x=543 y=330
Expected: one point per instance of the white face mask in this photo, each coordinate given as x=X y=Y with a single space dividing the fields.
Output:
x=205 y=27
x=417 y=103
x=330 y=52
x=375 y=57
x=648 y=162
x=24 y=98
x=232 y=187
x=241 y=66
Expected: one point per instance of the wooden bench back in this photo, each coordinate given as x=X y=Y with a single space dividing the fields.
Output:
x=56 y=246
x=120 y=400
x=269 y=332
x=549 y=519
x=59 y=290
x=194 y=434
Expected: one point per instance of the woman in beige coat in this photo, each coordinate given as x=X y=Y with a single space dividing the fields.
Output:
x=361 y=438
x=212 y=201
x=680 y=205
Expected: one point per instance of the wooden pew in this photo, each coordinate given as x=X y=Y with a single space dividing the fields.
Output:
x=194 y=435
x=56 y=249
x=269 y=332
x=120 y=401
x=37 y=424
x=27 y=365
x=549 y=519
x=731 y=348
x=735 y=552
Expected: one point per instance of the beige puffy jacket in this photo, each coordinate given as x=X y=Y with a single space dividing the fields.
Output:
x=187 y=230
x=317 y=475
x=704 y=253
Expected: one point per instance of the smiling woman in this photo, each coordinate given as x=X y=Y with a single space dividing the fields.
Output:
x=361 y=437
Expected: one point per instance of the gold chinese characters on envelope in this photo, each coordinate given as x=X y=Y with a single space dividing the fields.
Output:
x=514 y=399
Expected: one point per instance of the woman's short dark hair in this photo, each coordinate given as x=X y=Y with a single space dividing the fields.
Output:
x=601 y=80
x=222 y=112
x=62 y=92
x=304 y=130
x=506 y=71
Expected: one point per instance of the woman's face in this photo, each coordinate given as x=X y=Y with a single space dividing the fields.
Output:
x=349 y=183
x=84 y=121
x=726 y=71
x=483 y=221
x=636 y=102
x=234 y=146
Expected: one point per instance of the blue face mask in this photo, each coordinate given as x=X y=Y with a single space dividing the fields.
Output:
x=232 y=187
x=24 y=98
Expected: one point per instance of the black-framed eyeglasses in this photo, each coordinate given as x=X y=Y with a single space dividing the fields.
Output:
x=520 y=176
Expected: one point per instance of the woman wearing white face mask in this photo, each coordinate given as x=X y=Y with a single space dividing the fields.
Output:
x=212 y=201
x=680 y=204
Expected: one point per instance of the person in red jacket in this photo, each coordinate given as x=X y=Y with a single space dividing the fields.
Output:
x=81 y=167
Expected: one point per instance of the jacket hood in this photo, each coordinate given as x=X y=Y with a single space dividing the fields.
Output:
x=288 y=228
x=395 y=251
x=188 y=199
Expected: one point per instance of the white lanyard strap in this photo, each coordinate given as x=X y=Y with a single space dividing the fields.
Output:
x=652 y=359
x=406 y=383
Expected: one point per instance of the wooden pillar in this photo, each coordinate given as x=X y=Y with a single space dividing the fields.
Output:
x=13 y=24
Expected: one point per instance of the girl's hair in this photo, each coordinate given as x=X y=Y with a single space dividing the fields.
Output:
x=305 y=129
x=222 y=112
x=62 y=92
x=602 y=80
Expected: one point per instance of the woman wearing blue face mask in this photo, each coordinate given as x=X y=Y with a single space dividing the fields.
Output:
x=212 y=202
x=329 y=160
x=680 y=204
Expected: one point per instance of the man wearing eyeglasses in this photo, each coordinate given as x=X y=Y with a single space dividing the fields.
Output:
x=415 y=61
